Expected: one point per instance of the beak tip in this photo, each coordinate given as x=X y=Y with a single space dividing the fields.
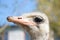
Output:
x=8 y=18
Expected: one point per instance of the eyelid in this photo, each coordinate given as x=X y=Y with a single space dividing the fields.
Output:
x=31 y=16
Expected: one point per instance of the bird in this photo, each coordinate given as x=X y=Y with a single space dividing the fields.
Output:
x=35 y=23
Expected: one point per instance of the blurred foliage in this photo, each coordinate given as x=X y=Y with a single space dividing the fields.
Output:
x=52 y=9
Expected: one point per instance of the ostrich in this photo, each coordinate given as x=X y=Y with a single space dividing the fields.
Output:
x=35 y=23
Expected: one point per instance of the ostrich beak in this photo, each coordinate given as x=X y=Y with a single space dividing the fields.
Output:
x=20 y=20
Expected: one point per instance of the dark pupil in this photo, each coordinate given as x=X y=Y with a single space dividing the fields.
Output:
x=36 y=19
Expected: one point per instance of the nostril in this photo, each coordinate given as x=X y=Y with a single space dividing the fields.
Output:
x=19 y=18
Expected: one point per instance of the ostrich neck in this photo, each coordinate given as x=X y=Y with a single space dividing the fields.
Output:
x=39 y=36
x=35 y=37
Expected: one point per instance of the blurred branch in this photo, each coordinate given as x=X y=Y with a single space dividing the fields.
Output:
x=3 y=28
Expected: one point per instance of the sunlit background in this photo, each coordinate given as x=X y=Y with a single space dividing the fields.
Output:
x=18 y=7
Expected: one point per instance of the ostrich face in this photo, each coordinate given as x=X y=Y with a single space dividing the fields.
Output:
x=32 y=22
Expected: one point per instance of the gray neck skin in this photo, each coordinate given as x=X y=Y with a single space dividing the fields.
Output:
x=39 y=36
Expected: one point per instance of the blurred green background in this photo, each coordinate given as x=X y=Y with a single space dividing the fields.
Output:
x=52 y=9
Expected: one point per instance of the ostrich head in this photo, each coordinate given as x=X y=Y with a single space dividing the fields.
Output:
x=35 y=23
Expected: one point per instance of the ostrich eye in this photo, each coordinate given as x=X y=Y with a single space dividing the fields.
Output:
x=38 y=20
